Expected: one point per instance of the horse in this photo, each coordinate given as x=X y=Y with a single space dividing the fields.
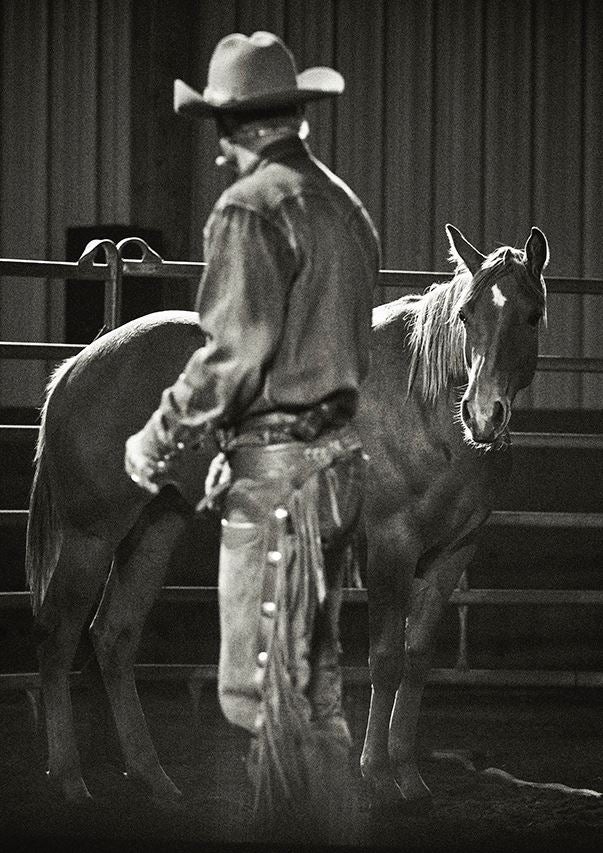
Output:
x=92 y=534
x=92 y=531
x=439 y=459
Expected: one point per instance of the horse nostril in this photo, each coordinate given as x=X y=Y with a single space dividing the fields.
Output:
x=498 y=413
x=465 y=412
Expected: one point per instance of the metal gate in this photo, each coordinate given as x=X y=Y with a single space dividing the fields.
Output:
x=112 y=269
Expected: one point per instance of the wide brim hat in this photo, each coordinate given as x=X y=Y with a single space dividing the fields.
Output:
x=257 y=72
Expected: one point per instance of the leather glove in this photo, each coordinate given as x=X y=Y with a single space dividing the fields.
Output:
x=146 y=456
x=217 y=482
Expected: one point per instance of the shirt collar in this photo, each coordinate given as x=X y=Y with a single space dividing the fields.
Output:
x=282 y=149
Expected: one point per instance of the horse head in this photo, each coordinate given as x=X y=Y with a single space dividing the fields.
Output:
x=500 y=310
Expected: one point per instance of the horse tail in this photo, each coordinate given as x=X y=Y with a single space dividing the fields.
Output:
x=44 y=528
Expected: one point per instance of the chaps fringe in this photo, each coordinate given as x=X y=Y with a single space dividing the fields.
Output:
x=298 y=768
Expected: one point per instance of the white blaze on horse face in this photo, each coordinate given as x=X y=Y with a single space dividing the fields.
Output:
x=498 y=297
x=479 y=397
x=473 y=392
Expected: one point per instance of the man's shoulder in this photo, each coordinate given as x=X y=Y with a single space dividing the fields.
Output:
x=263 y=191
x=276 y=184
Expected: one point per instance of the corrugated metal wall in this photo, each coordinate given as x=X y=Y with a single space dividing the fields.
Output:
x=484 y=113
x=65 y=154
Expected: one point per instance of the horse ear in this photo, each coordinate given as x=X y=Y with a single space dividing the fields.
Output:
x=537 y=252
x=461 y=250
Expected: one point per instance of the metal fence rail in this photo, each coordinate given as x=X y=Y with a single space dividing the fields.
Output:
x=548 y=440
x=152 y=265
x=506 y=518
x=21 y=350
x=111 y=269
x=24 y=350
x=197 y=675
x=20 y=600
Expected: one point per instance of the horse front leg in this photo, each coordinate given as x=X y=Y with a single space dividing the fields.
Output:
x=333 y=783
x=388 y=581
x=429 y=597
x=385 y=666
x=135 y=580
x=325 y=687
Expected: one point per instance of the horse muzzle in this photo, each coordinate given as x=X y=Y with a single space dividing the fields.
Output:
x=485 y=422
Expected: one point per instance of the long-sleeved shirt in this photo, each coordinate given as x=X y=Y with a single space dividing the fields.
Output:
x=285 y=300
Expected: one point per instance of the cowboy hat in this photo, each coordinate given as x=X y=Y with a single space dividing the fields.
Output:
x=254 y=73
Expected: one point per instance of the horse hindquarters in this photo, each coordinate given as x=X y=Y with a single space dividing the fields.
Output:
x=73 y=589
x=136 y=577
x=65 y=569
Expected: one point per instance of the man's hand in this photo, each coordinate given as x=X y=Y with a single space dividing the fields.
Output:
x=143 y=460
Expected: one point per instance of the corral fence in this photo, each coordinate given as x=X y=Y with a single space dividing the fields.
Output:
x=106 y=261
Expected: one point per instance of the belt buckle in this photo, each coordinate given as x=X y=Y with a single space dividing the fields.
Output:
x=321 y=455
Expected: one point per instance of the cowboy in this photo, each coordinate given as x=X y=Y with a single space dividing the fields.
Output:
x=285 y=304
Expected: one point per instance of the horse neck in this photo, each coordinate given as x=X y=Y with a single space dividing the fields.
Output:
x=436 y=339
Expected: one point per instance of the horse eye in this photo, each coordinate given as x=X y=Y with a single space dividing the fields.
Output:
x=534 y=319
x=462 y=316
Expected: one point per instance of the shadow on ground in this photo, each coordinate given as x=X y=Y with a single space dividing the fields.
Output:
x=545 y=736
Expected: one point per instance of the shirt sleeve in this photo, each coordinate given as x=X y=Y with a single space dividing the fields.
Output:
x=241 y=303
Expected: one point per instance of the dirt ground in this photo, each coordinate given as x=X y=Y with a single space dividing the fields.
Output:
x=535 y=735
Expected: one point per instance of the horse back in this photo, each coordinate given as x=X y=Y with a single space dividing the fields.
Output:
x=104 y=395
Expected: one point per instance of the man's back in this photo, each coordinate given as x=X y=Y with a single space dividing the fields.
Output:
x=329 y=255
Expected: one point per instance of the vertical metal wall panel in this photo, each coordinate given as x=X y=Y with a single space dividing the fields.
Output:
x=81 y=109
x=60 y=133
x=69 y=102
x=508 y=106
x=73 y=165
x=216 y=20
x=163 y=43
x=592 y=320
x=457 y=194
x=558 y=205
x=90 y=112
x=487 y=114
x=507 y=117
x=73 y=130
x=144 y=96
x=359 y=114
x=253 y=15
x=408 y=140
x=310 y=35
x=115 y=113
x=89 y=126
x=23 y=202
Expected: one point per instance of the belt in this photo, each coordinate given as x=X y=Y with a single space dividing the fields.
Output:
x=305 y=425
x=295 y=461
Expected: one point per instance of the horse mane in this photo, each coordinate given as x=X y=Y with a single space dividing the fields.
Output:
x=436 y=335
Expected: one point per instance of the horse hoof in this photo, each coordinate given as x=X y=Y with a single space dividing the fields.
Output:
x=417 y=806
x=162 y=790
x=72 y=789
x=384 y=794
x=411 y=785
